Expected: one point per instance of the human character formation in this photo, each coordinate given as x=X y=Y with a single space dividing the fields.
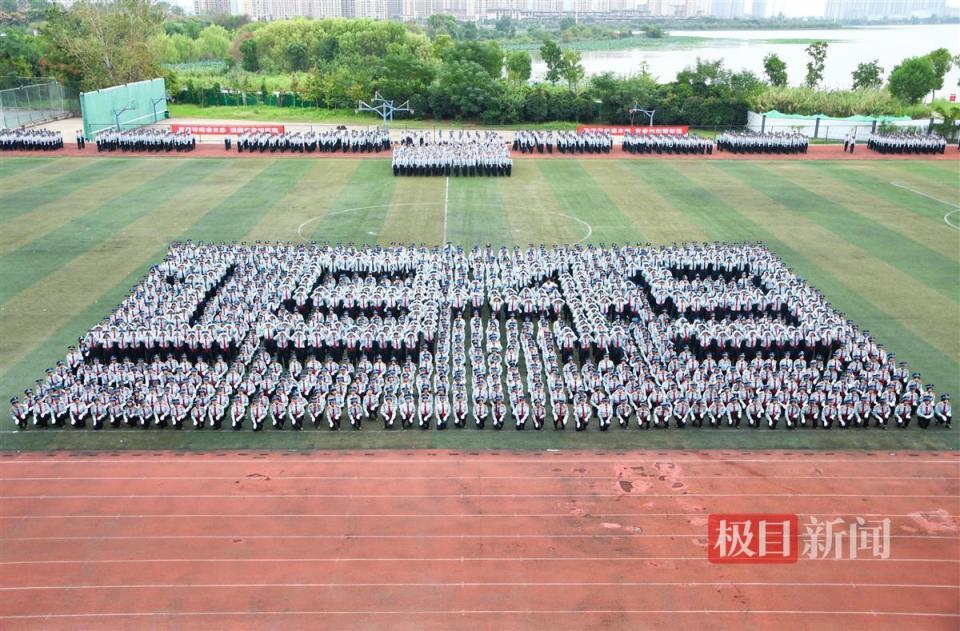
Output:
x=273 y=336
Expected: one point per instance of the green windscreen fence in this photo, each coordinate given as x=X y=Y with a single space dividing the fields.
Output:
x=124 y=106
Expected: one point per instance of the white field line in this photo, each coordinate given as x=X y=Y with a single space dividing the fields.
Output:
x=946 y=218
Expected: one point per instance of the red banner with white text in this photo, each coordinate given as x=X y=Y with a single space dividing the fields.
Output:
x=227 y=129
x=620 y=130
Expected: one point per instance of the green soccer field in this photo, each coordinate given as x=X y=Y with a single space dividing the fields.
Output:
x=77 y=234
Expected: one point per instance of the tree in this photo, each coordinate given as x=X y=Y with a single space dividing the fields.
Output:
x=505 y=27
x=404 y=75
x=488 y=56
x=249 y=60
x=439 y=23
x=519 y=65
x=470 y=32
x=213 y=42
x=868 y=75
x=465 y=89
x=552 y=55
x=326 y=49
x=296 y=54
x=101 y=45
x=942 y=62
x=818 y=56
x=912 y=79
x=775 y=69
x=573 y=71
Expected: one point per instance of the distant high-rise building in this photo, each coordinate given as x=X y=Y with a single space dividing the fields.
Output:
x=883 y=9
x=695 y=8
x=258 y=10
x=726 y=9
x=758 y=9
x=321 y=8
x=211 y=7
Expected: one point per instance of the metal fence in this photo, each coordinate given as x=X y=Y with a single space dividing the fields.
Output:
x=36 y=103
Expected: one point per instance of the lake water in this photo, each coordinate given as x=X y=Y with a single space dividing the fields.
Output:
x=746 y=49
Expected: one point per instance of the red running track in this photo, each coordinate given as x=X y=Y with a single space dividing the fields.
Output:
x=216 y=150
x=450 y=540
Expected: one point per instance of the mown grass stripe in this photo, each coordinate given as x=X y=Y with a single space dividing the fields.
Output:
x=871 y=277
x=30 y=363
x=358 y=213
x=71 y=183
x=415 y=214
x=42 y=256
x=947 y=172
x=308 y=201
x=12 y=166
x=236 y=215
x=707 y=212
x=581 y=197
x=738 y=227
x=477 y=212
x=885 y=190
x=38 y=174
x=923 y=171
x=534 y=213
x=886 y=211
x=22 y=230
x=914 y=259
x=636 y=190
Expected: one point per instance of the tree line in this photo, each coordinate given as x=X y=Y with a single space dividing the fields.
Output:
x=445 y=69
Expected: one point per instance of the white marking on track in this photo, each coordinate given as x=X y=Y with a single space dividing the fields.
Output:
x=946 y=218
x=623 y=535
x=911 y=516
x=457 y=559
x=460 y=478
x=408 y=585
x=187 y=458
x=484 y=612
x=353 y=496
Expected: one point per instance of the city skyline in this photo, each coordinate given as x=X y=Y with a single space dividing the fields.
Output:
x=480 y=9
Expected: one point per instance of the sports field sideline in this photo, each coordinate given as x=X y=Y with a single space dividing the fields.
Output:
x=878 y=238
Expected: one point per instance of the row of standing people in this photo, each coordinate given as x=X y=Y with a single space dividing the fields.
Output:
x=30 y=140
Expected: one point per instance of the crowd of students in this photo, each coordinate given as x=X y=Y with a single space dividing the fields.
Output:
x=275 y=335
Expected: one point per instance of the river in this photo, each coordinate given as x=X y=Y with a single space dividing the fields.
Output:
x=746 y=49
